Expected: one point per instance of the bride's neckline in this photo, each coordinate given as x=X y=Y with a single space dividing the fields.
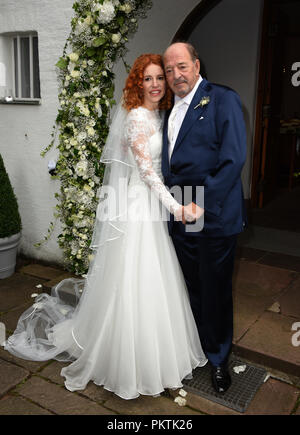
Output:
x=149 y=110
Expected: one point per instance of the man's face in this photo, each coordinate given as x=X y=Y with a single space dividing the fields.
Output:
x=181 y=72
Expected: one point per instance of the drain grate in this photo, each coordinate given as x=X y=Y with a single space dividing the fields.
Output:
x=241 y=392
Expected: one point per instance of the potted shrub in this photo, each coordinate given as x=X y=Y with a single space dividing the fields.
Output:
x=10 y=225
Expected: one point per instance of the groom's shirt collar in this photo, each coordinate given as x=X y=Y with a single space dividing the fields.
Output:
x=188 y=98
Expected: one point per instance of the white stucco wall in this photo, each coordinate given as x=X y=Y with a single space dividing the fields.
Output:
x=228 y=42
x=25 y=130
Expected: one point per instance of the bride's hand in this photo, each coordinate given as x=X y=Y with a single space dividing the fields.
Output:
x=192 y=212
x=179 y=214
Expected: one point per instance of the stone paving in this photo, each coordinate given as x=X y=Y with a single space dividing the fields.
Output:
x=266 y=303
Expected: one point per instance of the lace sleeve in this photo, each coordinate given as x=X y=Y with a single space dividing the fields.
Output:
x=137 y=132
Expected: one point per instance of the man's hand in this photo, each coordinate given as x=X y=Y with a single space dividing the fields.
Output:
x=191 y=213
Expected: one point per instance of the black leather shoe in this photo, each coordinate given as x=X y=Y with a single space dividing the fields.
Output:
x=221 y=379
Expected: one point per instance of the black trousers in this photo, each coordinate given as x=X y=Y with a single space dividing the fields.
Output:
x=207 y=264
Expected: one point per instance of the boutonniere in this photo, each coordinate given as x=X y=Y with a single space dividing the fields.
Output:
x=203 y=102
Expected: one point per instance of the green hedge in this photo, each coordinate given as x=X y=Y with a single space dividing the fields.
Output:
x=10 y=221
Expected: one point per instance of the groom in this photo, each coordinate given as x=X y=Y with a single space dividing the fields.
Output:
x=205 y=145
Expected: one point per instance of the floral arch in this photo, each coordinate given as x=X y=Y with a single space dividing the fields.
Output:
x=99 y=32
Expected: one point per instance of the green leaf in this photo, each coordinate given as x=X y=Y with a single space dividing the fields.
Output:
x=62 y=63
x=99 y=41
x=90 y=51
x=120 y=21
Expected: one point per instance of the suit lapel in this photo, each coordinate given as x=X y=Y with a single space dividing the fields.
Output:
x=193 y=113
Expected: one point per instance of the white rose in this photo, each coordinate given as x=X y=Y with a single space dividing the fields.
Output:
x=83 y=109
x=73 y=142
x=81 y=168
x=127 y=8
x=88 y=21
x=82 y=136
x=91 y=131
x=73 y=57
x=75 y=74
x=116 y=38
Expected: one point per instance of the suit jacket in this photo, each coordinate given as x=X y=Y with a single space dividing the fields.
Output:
x=210 y=151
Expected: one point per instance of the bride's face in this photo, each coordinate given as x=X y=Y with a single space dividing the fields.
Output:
x=154 y=86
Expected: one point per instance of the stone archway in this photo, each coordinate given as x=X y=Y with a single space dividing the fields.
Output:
x=193 y=19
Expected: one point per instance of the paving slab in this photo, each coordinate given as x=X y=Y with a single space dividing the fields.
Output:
x=52 y=371
x=97 y=393
x=31 y=366
x=10 y=375
x=250 y=254
x=41 y=271
x=274 y=398
x=271 y=240
x=58 y=400
x=16 y=290
x=284 y=261
x=290 y=300
x=14 y=405
x=269 y=341
x=261 y=280
x=148 y=405
x=247 y=310
x=204 y=406
x=10 y=318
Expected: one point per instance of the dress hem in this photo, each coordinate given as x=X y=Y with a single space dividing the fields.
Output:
x=156 y=394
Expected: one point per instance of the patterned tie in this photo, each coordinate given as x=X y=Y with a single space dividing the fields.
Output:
x=172 y=118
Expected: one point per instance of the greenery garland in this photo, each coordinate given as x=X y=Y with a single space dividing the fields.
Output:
x=100 y=31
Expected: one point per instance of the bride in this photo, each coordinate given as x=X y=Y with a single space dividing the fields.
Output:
x=131 y=328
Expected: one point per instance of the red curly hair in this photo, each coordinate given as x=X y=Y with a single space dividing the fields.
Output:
x=133 y=91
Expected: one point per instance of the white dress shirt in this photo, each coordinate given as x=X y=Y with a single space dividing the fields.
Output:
x=181 y=112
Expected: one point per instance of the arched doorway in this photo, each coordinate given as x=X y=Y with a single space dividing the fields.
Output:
x=253 y=61
x=193 y=19
x=220 y=32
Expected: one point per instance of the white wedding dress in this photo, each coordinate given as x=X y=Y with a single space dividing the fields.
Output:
x=132 y=331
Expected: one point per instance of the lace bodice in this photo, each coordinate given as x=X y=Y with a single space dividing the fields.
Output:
x=143 y=134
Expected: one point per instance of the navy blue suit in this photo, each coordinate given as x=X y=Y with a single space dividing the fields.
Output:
x=210 y=151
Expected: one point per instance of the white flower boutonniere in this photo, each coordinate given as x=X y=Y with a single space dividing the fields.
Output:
x=203 y=102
